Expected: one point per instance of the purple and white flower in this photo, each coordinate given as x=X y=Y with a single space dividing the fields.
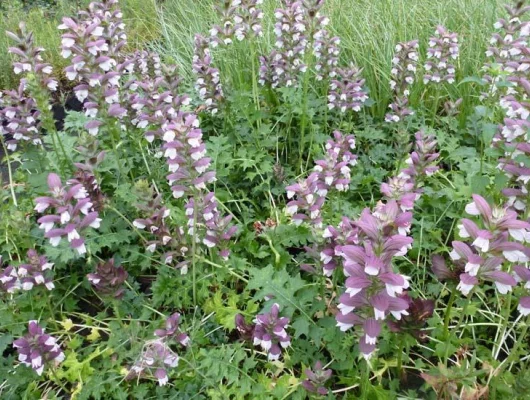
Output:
x=38 y=349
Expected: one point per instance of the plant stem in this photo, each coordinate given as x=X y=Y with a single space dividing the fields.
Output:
x=326 y=109
x=59 y=383
x=365 y=382
x=446 y=330
x=129 y=222
x=515 y=349
x=147 y=166
x=10 y=173
x=448 y=313
x=116 y=152
x=116 y=308
x=304 y=119
x=323 y=287
x=399 y=365
x=505 y=319
x=436 y=103
x=255 y=89
x=305 y=89
x=50 y=308
x=277 y=257
x=230 y=271
x=61 y=146
x=194 y=250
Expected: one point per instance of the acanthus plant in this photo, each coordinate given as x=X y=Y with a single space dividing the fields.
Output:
x=38 y=349
x=494 y=249
x=507 y=49
x=443 y=51
x=403 y=75
x=69 y=213
x=366 y=247
x=239 y=19
x=157 y=355
x=108 y=279
x=248 y=22
x=282 y=66
x=223 y=34
x=172 y=242
x=510 y=49
x=25 y=110
x=93 y=43
x=316 y=379
x=403 y=189
x=374 y=290
x=208 y=82
x=300 y=31
x=189 y=176
x=347 y=90
x=37 y=271
x=28 y=58
x=153 y=94
x=419 y=311
x=153 y=101
x=32 y=100
x=326 y=51
x=19 y=118
x=331 y=173
x=267 y=331
x=85 y=174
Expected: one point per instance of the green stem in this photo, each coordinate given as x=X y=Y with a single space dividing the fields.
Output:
x=147 y=166
x=505 y=318
x=129 y=222
x=399 y=365
x=436 y=104
x=448 y=313
x=460 y=320
x=61 y=146
x=255 y=90
x=10 y=173
x=116 y=152
x=304 y=120
x=50 y=308
x=365 y=382
x=515 y=349
x=326 y=109
x=230 y=271
x=323 y=287
x=464 y=310
x=194 y=251
x=116 y=309
x=277 y=257
x=58 y=381
x=56 y=151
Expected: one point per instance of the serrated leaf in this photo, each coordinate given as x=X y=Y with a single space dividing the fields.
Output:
x=280 y=286
x=301 y=327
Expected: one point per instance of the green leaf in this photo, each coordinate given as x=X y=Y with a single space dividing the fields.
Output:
x=74 y=370
x=488 y=131
x=479 y=184
x=473 y=79
x=282 y=287
x=301 y=327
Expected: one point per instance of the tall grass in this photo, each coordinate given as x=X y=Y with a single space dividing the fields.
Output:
x=369 y=31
